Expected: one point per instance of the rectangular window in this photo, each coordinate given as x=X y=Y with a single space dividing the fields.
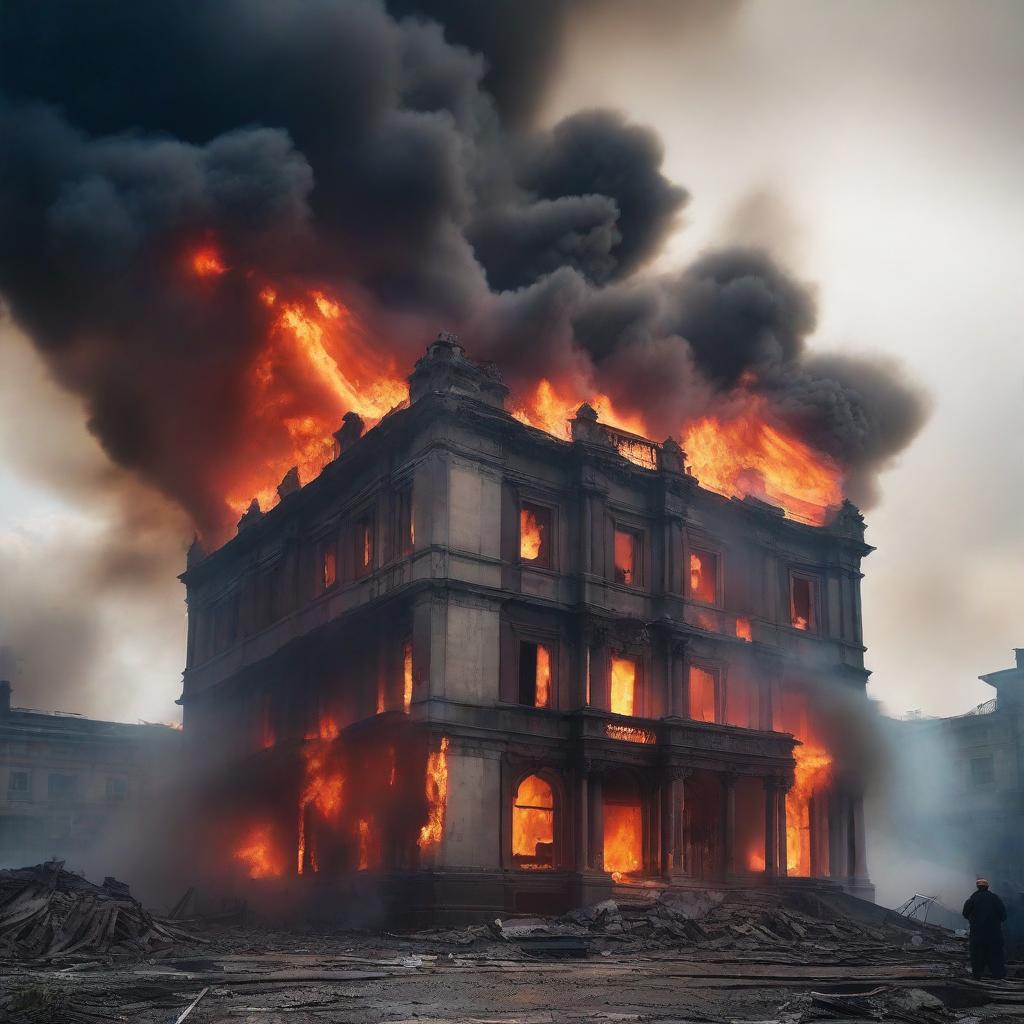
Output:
x=407 y=676
x=61 y=787
x=704 y=576
x=19 y=785
x=623 y=686
x=117 y=789
x=534 y=675
x=627 y=558
x=364 y=545
x=404 y=526
x=801 y=603
x=742 y=702
x=535 y=534
x=703 y=694
x=982 y=771
x=329 y=564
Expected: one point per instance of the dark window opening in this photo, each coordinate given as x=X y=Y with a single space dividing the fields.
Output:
x=704 y=576
x=364 y=545
x=534 y=675
x=535 y=534
x=627 y=558
x=329 y=565
x=801 y=602
x=404 y=526
x=18 y=785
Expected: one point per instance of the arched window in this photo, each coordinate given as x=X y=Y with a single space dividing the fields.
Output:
x=533 y=825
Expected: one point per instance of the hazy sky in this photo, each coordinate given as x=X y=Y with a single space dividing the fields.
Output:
x=877 y=148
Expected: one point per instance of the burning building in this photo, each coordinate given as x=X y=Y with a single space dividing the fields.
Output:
x=509 y=670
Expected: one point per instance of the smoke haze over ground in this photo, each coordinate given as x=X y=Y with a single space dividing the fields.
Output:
x=526 y=174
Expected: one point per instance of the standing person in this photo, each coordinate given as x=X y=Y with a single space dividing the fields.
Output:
x=986 y=914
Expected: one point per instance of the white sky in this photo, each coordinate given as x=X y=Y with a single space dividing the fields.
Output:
x=888 y=136
x=884 y=139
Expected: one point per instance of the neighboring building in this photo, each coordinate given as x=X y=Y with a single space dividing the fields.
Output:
x=65 y=778
x=982 y=819
x=510 y=670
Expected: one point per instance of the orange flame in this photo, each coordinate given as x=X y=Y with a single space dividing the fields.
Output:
x=623 y=838
x=258 y=854
x=543 y=692
x=206 y=262
x=813 y=773
x=547 y=410
x=322 y=787
x=531 y=536
x=743 y=630
x=623 y=689
x=747 y=455
x=437 y=797
x=533 y=824
x=407 y=677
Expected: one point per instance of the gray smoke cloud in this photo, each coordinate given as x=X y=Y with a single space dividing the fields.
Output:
x=389 y=152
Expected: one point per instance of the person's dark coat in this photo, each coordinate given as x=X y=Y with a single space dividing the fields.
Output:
x=986 y=914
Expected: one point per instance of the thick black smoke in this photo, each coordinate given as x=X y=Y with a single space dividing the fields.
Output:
x=388 y=152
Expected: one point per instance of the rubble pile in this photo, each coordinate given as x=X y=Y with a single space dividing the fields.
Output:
x=46 y=911
x=717 y=921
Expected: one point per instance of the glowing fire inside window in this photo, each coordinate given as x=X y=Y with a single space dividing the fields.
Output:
x=437 y=797
x=704 y=576
x=626 y=544
x=257 y=853
x=801 y=601
x=407 y=676
x=534 y=534
x=742 y=702
x=743 y=630
x=329 y=565
x=623 y=686
x=364 y=544
x=703 y=694
x=533 y=824
x=623 y=837
x=364 y=844
x=805 y=829
x=534 y=675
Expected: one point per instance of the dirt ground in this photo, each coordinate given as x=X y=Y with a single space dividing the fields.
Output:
x=261 y=976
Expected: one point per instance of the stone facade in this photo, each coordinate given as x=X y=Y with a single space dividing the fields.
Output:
x=600 y=652
x=66 y=780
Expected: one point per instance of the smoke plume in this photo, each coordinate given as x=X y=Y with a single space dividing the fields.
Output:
x=389 y=155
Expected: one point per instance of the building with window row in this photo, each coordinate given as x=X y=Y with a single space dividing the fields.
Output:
x=510 y=671
x=66 y=780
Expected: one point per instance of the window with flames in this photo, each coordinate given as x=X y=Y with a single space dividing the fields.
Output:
x=627 y=558
x=535 y=534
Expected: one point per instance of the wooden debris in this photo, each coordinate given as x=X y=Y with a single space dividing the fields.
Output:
x=46 y=911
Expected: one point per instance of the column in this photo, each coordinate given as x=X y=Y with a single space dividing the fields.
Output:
x=729 y=823
x=595 y=802
x=771 y=828
x=673 y=796
x=677 y=682
x=668 y=825
x=780 y=800
x=582 y=822
x=839 y=836
x=860 y=860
